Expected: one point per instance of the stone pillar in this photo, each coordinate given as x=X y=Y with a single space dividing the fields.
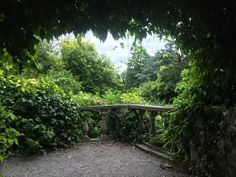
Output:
x=117 y=120
x=193 y=152
x=152 y=129
x=104 y=129
x=85 y=128
x=164 y=124
x=140 y=121
x=117 y=124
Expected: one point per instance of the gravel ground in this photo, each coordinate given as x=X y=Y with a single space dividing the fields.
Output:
x=90 y=160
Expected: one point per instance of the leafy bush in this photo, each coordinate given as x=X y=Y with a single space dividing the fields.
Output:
x=150 y=92
x=116 y=97
x=87 y=99
x=45 y=116
x=65 y=80
x=158 y=138
x=93 y=117
x=8 y=135
x=53 y=121
x=95 y=73
x=194 y=122
x=112 y=97
x=127 y=130
x=164 y=87
x=94 y=123
x=134 y=96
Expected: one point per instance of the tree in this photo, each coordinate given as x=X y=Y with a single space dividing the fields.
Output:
x=95 y=72
x=164 y=87
x=143 y=68
x=135 y=66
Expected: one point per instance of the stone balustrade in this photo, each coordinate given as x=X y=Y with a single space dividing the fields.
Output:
x=104 y=109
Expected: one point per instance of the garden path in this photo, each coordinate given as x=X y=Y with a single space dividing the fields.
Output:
x=97 y=159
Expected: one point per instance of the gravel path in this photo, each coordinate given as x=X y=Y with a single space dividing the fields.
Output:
x=90 y=160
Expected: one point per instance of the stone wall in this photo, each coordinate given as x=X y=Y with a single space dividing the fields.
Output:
x=230 y=141
x=224 y=150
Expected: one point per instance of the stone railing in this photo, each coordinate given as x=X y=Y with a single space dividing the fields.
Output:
x=104 y=109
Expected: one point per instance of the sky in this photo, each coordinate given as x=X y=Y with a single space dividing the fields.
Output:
x=118 y=55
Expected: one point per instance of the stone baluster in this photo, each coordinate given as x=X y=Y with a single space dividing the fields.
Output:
x=85 y=128
x=140 y=121
x=117 y=124
x=104 y=129
x=163 y=117
x=117 y=119
x=152 y=129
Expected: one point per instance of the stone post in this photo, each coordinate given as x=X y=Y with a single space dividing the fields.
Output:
x=104 y=129
x=140 y=121
x=164 y=124
x=117 y=124
x=117 y=119
x=152 y=129
x=85 y=128
x=193 y=152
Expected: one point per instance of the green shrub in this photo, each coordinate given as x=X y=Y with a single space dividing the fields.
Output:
x=115 y=97
x=65 y=80
x=46 y=117
x=94 y=123
x=164 y=87
x=8 y=135
x=112 y=97
x=134 y=96
x=128 y=125
x=151 y=94
x=93 y=117
x=157 y=140
x=87 y=99
x=49 y=119
x=193 y=121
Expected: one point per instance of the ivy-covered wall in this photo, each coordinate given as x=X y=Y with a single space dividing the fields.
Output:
x=213 y=146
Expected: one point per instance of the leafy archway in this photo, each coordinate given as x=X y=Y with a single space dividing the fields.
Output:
x=203 y=28
x=194 y=24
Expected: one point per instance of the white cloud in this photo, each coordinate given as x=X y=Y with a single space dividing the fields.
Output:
x=118 y=55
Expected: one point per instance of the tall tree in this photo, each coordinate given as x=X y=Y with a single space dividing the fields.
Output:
x=143 y=67
x=95 y=72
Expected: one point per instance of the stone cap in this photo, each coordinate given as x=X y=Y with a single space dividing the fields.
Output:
x=131 y=106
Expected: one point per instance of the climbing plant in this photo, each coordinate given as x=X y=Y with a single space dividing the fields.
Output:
x=196 y=25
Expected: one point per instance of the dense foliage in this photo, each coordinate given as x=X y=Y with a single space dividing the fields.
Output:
x=123 y=125
x=199 y=26
x=157 y=75
x=43 y=114
x=8 y=135
x=41 y=102
x=163 y=88
x=207 y=32
x=142 y=67
x=95 y=73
